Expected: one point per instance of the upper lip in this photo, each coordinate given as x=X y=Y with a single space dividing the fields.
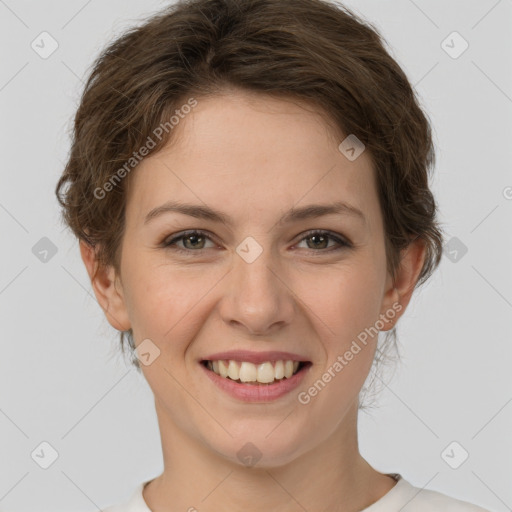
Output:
x=254 y=357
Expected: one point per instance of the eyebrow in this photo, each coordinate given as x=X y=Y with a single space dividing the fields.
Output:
x=294 y=214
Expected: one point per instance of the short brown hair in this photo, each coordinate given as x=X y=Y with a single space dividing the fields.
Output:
x=312 y=50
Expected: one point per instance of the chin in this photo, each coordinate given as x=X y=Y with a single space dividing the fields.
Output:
x=262 y=447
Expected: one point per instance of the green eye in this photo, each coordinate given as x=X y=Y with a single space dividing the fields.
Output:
x=194 y=241
x=321 y=237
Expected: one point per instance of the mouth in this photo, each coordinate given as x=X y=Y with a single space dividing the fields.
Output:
x=262 y=374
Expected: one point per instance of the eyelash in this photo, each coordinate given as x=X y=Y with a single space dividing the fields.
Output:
x=171 y=244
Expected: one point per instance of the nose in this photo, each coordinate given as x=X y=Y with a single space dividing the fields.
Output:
x=257 y=297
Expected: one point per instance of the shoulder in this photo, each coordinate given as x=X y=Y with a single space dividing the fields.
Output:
x=415 y=499
x=135 y=503
x=403 y=496
x=124 y=507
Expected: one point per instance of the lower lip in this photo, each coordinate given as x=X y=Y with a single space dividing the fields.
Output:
x=256 y=392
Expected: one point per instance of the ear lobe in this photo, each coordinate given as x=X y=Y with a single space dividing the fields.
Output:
x=103 y=281
x=400 y=291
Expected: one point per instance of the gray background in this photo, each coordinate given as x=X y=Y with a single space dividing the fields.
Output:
x=62 y=379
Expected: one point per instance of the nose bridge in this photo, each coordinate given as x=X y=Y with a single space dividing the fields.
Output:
x=254 y=267
x=258 y=298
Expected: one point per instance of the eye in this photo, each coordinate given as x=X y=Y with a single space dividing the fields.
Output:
x=192 y=241
x=195 y=240
x=320 y=239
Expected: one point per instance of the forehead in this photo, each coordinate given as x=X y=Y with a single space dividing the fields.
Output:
x=251 y=154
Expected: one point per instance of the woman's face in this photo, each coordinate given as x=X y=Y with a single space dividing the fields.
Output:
x=257 y=281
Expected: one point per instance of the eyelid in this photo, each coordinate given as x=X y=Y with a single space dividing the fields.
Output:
x=338 y=237
x=342 y=241
x=169 y=242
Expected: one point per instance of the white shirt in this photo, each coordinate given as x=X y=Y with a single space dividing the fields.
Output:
x=403 y=497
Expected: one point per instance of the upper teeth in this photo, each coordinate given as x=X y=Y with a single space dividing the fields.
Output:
x=249 y=372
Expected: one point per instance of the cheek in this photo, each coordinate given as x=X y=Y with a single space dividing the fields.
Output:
x=345 y=300
x=172 y=302
x=166 y=302
x=346 y=306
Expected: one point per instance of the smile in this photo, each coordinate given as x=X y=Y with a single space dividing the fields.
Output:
x=262 y=382
x=263 y=373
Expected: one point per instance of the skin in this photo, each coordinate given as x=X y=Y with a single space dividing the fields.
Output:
x=254 y=157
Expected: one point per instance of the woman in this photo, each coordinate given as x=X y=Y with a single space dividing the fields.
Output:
x=249 y=183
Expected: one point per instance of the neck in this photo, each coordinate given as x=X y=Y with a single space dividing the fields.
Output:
x=331 y=476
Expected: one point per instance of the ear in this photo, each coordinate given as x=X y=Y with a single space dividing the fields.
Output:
x=399 y=293
x=103 y=281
